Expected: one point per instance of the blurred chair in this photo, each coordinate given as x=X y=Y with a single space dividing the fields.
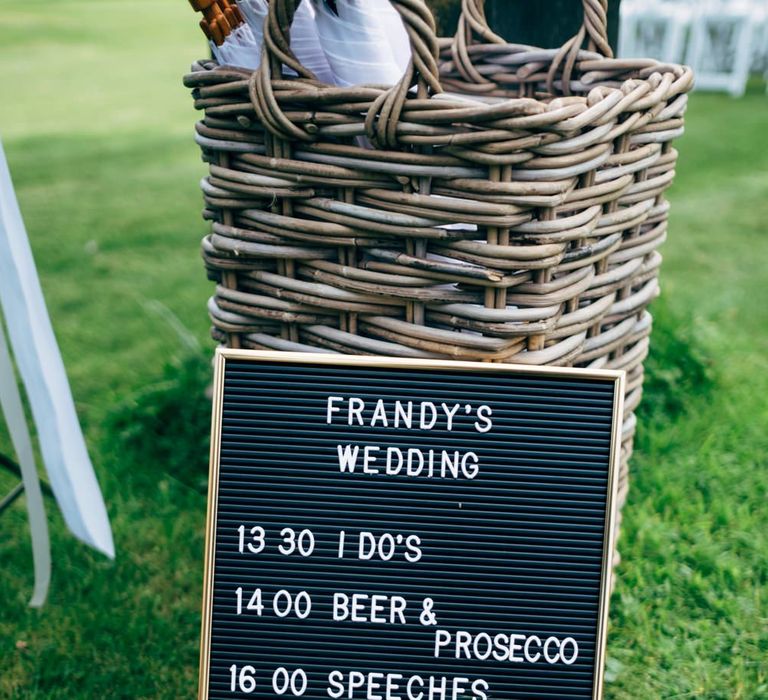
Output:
x=760 y=38
x=722 y=40
x=655 y=29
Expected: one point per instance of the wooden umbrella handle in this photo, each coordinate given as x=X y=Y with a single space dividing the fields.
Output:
x=220 y=18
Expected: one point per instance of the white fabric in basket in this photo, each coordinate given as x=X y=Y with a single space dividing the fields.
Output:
x=365 y=43
x=305 y=41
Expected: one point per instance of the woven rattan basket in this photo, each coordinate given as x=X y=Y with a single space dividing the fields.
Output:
x=502 y=203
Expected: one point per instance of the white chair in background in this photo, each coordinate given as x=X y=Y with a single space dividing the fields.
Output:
x=654 y=29
x=723 y=40
x=760 y=39
x=721 y=48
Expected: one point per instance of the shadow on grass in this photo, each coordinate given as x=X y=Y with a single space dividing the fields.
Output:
x=678 y=371
x=164 y=428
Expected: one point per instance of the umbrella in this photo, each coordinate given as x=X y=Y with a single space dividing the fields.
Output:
x=305 y=41
x=364 y=41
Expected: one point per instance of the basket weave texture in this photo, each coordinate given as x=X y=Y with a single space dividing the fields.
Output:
x=502 y=203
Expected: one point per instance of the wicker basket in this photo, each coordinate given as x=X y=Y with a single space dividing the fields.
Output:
x=502 y=203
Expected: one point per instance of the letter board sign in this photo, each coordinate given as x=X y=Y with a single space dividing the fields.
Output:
x=385 y=529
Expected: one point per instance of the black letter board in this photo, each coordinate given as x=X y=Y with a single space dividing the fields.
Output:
x=384 y=529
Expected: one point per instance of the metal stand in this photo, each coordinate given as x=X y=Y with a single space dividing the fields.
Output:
x=12 y=497
x=7 y=501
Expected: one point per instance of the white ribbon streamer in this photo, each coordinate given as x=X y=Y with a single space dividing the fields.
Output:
x=41 y=368
x=10 y=401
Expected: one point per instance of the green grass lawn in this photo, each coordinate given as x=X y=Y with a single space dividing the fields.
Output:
x=98 y=133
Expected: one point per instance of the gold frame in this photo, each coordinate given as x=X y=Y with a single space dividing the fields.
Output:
x=223 y=354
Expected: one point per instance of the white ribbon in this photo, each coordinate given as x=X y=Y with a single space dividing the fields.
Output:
x=10 y=401
x=41 y=368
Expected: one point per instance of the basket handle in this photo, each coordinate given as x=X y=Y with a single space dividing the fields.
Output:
x=384 y=114
x=473 y=23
